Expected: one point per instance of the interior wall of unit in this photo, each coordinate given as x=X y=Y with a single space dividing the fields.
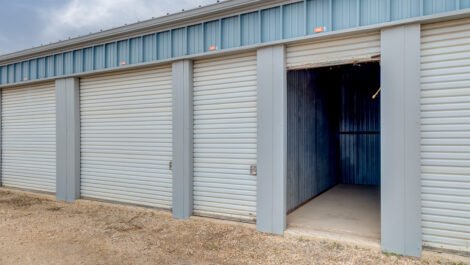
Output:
x=333 y=129
x=280 y=22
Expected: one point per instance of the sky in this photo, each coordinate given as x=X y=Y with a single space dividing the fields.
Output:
x=29 y=23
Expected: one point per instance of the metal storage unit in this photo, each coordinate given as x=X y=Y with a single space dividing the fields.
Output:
x=126 y=137
x=445 y=133
x=225 y=131
x=29 y=137
x=344 y=50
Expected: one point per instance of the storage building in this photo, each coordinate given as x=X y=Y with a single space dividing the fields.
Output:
x=284 y=113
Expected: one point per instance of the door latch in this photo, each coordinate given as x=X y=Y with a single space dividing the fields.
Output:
x=170 y=165
x=253 y=170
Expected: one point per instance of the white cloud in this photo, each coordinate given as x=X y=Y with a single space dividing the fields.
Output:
x=80 y=17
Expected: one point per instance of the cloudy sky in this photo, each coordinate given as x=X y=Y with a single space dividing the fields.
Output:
x=28 y=23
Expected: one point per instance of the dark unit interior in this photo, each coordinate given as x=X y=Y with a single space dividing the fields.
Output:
x=333 y=134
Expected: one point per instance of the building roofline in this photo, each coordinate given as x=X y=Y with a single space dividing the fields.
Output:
x=177 y=18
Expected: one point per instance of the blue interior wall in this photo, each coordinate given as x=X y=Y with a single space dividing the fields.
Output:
x=359 y=130
x=333 y=133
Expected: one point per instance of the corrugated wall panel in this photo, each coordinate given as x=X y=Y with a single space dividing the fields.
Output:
x=212 y=34
x=18 y=70
x=179 y=42
x=438 y=6
x=163 y=45
x=231 y=33
x=135 y=51
x=78 y=61
x=312 y=135
x=41 y=68
x=225 y=131
x=68 y=63
x=464 y=4
x=359 y=130
x=345 y=14
x=445 y=134
x=250 y=28
x=402 y=9
x=28 y=137
x=271 y=24
x=88 y=59
x=373 y=12
x=195 y=39
x=318 y=15
x=294 y=20
x=122 y=52
x=359 y=47
x=111 y=55
x=99 y=57
x=150 y=48
x=126 y=137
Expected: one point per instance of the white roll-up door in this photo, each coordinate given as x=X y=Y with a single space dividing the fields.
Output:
x=225 y=127
x=334 y=51
x=445 y=133
x=28 y=137
x=126 y=137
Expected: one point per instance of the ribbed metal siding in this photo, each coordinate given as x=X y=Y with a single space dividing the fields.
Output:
x=360 y=47
x=126 y=137
x=225 y=128
x=28 y=137
x=445 y=133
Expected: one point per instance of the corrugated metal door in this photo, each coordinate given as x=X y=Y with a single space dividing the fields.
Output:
x=126 y=137
x=225 y=127
x=445 y=133
x=28 y=137
x=344 y=50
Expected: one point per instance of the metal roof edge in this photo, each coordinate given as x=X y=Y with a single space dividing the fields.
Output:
x=181 y=17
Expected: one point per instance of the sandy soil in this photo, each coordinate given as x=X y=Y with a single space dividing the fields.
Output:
x=37 y=230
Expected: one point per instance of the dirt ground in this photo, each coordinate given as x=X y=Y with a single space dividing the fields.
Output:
x=36 y=230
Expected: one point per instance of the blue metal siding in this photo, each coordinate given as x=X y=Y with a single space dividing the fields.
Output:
x=33 y=70
x=464 y=4
x=318 y=15
x=163 y=45
x=88 y=58
x=286 y=21
x=135 y=50
x=438 y=6
x=250 y=28
x=149 y=48
x=231 y=32
x=179 y=42
x=211 y=35
x=373 y=12
x=271 y=24
x=294 y=20
x=78 y=61
x=195 y=39
x=345 y=14
x=68 y=63
x=403 y=9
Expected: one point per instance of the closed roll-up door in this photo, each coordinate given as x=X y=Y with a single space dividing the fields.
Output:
x=126 y=137
x=445 y=133
x=28 y=137
x=225 y=137
x=344 y=50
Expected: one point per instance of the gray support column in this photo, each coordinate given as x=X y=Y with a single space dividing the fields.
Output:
x=68 y=139
x=182 y=139
x=400 y=119
x=272 y=140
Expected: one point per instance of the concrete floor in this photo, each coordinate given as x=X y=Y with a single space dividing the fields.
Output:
x=346 y=212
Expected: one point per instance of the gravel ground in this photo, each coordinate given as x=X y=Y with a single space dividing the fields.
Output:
x=36 y=230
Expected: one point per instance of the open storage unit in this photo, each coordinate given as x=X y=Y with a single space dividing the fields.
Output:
x=334 y=136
